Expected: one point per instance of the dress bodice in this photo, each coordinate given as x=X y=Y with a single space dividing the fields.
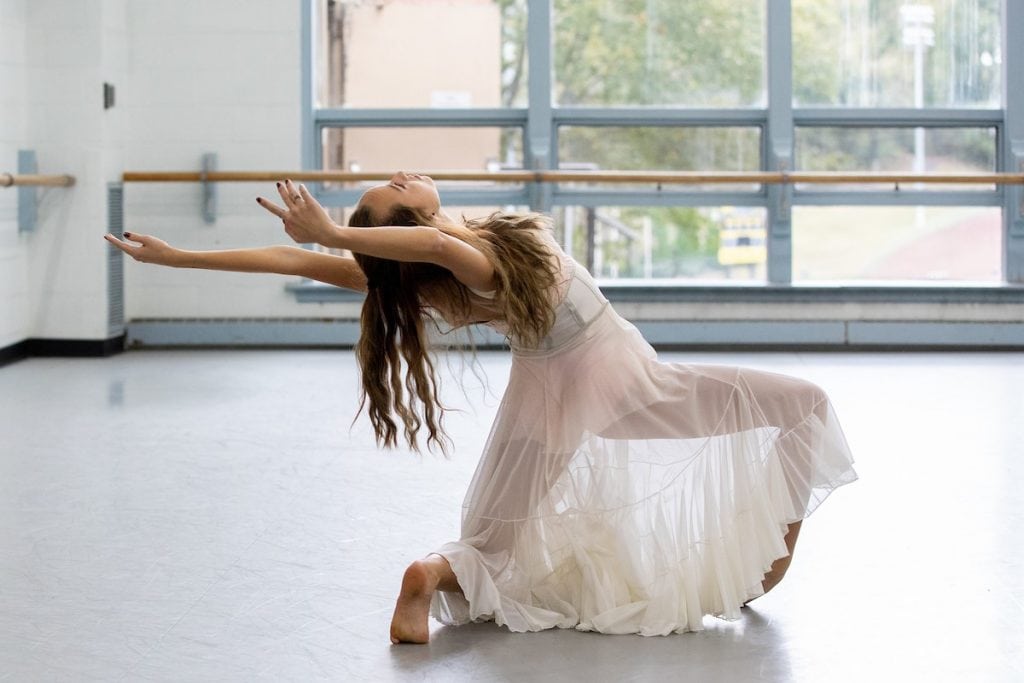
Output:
x=578 y=302
x=581 y=304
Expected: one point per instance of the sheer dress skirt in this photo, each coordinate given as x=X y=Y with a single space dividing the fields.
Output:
x=620 y=494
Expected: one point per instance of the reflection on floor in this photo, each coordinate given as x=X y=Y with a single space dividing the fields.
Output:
x=210 y=516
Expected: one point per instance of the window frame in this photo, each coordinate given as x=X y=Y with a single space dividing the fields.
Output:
x=778 y=121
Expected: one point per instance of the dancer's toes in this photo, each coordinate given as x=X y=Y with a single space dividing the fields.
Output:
x=409 y=624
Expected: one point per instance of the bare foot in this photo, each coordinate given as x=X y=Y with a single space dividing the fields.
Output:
x=409 y=625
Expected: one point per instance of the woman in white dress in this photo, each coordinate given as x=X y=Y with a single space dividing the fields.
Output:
x=616 y=493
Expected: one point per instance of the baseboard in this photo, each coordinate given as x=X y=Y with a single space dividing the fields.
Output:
x=71 y=348
x=13 y=353
x=722 y=335
x=271 y=333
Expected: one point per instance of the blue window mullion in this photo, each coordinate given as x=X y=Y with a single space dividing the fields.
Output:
x=777 y=121
x=779 y=139
x=539 y=153
x=1012 y=156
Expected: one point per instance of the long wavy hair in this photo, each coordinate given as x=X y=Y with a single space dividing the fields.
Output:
x=400 y=295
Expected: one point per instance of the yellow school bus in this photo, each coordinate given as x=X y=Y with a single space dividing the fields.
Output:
x=741 y=239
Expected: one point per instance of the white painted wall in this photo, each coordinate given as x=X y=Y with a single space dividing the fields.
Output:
x=221 y=76
x=191 y=76
x=71 y=49
x=14 y=297
x=55 y=57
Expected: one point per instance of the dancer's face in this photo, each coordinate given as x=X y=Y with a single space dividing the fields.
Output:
x=406 y=189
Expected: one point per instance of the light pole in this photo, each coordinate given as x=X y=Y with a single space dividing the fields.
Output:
x=917 y=21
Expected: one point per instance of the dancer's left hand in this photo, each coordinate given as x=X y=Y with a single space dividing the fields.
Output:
x=304 y=219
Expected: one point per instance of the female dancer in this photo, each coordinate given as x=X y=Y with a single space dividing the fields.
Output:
x=616 y=493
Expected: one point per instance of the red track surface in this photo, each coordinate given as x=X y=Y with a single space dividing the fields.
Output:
x=966 y=251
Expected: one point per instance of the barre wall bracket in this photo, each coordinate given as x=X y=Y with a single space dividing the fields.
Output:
x=28 y=214
x=28 y=181
x=1020 y=190
x=209 y=189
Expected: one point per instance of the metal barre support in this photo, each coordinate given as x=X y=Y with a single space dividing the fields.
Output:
x=209 y=189
x=26 y=179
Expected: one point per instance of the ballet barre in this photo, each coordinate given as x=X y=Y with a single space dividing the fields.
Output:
x=209 y=177
x=27 y=179
x=35 y=179
x=646 y=177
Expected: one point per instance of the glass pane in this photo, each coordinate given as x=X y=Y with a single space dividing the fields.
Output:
x=340 y=215
x=666 y=243
x=411 y=53
x=897 y=243
x=659 y=52
x=659 y=148
x=898 y=150
x=893 y=53
x=476 y=148
x=459 y=213
x=652 y=148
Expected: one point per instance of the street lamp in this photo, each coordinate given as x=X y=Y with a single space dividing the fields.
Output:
x=917 y=21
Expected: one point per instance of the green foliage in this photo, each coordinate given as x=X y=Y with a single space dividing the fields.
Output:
x=685 y=240
x=815 y=75
x=847 y=53
x=513 y=52
x=851 y=53
x=661 y=148
x=659 y=52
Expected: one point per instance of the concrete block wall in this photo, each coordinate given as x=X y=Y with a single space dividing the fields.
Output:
x=71 y=50
x=14 y=291
x=219 y=77
x=190 y=77
x=56 y=56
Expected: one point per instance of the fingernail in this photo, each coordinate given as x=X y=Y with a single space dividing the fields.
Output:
x=279 y=184
x=126 y=234
x=257 y=200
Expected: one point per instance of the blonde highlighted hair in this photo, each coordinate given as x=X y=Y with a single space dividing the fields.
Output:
x=401 y=294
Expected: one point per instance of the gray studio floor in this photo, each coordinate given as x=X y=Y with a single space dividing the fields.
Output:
x=209 y=515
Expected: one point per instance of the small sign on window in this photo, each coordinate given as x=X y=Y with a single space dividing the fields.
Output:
x=450 y=98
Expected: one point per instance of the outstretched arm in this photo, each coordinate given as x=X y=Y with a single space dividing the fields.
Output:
x=340 y=271
x=306 y=221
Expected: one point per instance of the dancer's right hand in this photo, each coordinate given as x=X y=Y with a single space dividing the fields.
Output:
x=150 y=250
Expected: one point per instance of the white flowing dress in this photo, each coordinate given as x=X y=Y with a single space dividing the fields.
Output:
x=620 y=494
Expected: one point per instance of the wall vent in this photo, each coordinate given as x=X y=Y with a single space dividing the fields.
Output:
x=115 y=261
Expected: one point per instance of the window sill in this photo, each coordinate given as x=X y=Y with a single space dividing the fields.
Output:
x=665 y=291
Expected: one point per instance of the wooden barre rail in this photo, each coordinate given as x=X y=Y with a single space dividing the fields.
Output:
x=10 y=179
x=659 y=177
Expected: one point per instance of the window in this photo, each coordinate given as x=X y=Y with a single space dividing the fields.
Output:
x=655 y=52
x=877 y=86
x=899 y=150
x=667 y=148
x=896 y=53
x=438 y=148
x=666 y=243
x=896 y=243
x=409 y=53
